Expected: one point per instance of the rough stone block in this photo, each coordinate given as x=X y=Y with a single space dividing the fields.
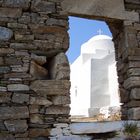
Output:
x=132 y=82
x=6 y=136
x=22 y=46
x=16 y=126
x=17 y=25
x=2 y=88
x=12 y=12
x=133 y=103
x=5 y=34
x=61 y=100
x=17 y=87
x=43 y=6
x=135 y=93
x=40 y=101
x=37 y=132
x=37 y=71
x=50 y=87
x=13 y=61
x=134 y=113
x=59 y=67
x=4 y=69
x=20 y=98
x=20 y=37
x=1 y=61
x=57 y=110
x=5 y=97
x=16 y=3
x=14 y=112
x=39 y=59
x=5 y=51
x=36 y=119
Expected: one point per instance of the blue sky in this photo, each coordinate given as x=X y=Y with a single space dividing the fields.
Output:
x=81 y=30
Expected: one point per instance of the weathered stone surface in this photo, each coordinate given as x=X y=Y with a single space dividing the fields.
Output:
x=37 y=71
x=43 y=6
x=17 y=75
x=13 y=61
x=50 y=87
x=98 y=127
x=5 y=33
x=56 y=131
x=20 y=37
x=132 y=82
x=14 y=112
x=2 y=88
x=60 y=67
x=4 y=69
x=135 y=93
x=99 y=9
x=16 y=3
x=20 y=98
x=1 y=61
x=6 y=136
x=17 y=25
x=16 y=126
x=134 y=113
x=40 y=101
x=5 y=97
x=34 y=109
x=133 y=72
x=57 y=110
x=36 y=132
x=133 y=103
x=17 y=87
x=5 y=51
x=22 y=46
x=36 y=118
x=61 y=100
x=12 y=12
x=39 y=59
x=20 y=68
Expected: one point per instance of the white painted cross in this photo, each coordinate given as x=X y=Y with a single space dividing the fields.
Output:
x=100 y=31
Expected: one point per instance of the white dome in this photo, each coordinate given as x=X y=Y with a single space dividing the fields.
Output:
x=99 y=37
x=98 y=42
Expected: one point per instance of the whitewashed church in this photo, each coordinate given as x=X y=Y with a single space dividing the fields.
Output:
x=94 y=82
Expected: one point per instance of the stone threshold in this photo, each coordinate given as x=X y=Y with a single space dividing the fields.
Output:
x=98 y=127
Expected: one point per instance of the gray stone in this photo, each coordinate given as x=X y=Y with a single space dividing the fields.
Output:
x=5 y=51
x=57 y=110
x=39 y=59
x=36 y=119
x=17 y=3
x=20 y=98
x=16 y=126
x=59 y=68
x=5 y=97
x=13 y=61
x=12 y=12
x=37 y=71
x=6 y=136
x=36 y=132
x=17 y=25
x=1 y=61
x=61 y=100
x=17 y=87
x=43 y=6
x=5 y=34
x=99 y=9
x=14 y=112
x=134 y=113
x=2 y=88
x=22 y=37
x=2 y=126
x=4 y=69
x=50 y=87
x=22 y=46
x=40 y=101
x=135 y=93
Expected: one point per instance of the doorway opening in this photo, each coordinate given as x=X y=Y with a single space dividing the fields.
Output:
x=94 y=82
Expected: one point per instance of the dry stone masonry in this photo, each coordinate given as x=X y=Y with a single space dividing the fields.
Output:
x=34 y=70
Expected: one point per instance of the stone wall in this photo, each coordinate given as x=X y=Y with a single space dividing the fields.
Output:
x=34 y=70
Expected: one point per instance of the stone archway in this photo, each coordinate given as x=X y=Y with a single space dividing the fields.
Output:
x=124 y=27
